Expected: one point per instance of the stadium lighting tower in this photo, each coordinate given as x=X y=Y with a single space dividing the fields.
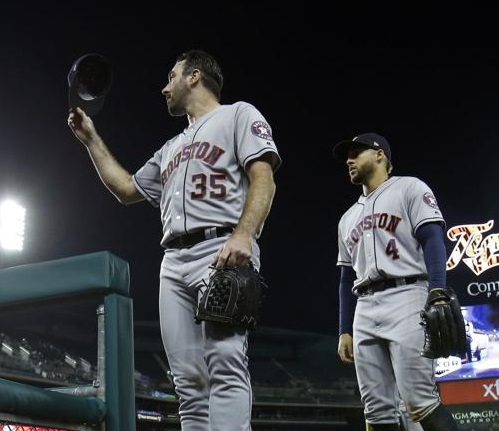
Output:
x=12 y=216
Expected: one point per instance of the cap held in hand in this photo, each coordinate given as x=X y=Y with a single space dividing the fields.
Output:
x=89 y=82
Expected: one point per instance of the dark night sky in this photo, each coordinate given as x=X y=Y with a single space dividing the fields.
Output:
x=428 y=80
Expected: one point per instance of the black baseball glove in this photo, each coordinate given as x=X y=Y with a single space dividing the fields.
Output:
x=443 y=324
x=233 y=295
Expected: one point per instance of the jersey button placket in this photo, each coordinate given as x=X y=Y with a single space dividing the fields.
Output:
x=370 y=252
x=177 y=201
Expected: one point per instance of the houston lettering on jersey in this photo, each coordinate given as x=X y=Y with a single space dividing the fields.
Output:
x=385 y=221
x=209 y=153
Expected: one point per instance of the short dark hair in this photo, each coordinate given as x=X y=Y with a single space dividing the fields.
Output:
x=211 y=73
x=389 y=166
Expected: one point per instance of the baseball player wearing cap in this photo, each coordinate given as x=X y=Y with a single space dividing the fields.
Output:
x=214 y=186
x=391 y=252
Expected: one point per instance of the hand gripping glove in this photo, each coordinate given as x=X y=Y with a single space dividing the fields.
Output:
x=233 y=295
x=443 y=324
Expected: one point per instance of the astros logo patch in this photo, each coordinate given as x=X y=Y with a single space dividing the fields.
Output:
x=430 y=200
x=262 y=130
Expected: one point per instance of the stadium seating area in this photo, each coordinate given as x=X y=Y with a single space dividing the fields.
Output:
x=297 y=378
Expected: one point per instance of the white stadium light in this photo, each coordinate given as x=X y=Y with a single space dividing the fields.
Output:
x=12 y=217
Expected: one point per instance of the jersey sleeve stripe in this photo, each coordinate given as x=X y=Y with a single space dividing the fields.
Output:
x=276 y=159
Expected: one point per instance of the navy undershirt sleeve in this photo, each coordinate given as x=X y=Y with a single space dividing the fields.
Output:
x=347 y=300
x=431 y=238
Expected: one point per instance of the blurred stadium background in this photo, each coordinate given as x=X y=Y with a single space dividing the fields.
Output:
x=298 y=381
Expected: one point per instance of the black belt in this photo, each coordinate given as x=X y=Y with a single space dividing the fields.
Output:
x=191 y=239
x=386 y=283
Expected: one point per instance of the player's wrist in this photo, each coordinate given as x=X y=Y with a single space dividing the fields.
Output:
x=342 y=334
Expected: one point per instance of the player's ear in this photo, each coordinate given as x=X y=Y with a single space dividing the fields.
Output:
x=195 y=76
x=379 y=155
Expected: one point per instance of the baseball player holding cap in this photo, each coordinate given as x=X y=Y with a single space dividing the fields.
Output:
x=214 y=186
x=391 y=252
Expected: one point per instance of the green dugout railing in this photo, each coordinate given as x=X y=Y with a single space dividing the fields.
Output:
x=109 y=403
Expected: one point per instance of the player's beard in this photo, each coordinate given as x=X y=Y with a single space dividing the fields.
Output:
x=362 y=173
x=177 y=100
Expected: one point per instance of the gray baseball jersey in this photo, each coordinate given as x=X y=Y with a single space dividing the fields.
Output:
x=198 y=181
x=377 y=238
x=196 y=177
x=376 y=235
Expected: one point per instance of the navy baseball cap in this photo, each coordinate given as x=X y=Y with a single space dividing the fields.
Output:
x=89 y=82
x=371 y=140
